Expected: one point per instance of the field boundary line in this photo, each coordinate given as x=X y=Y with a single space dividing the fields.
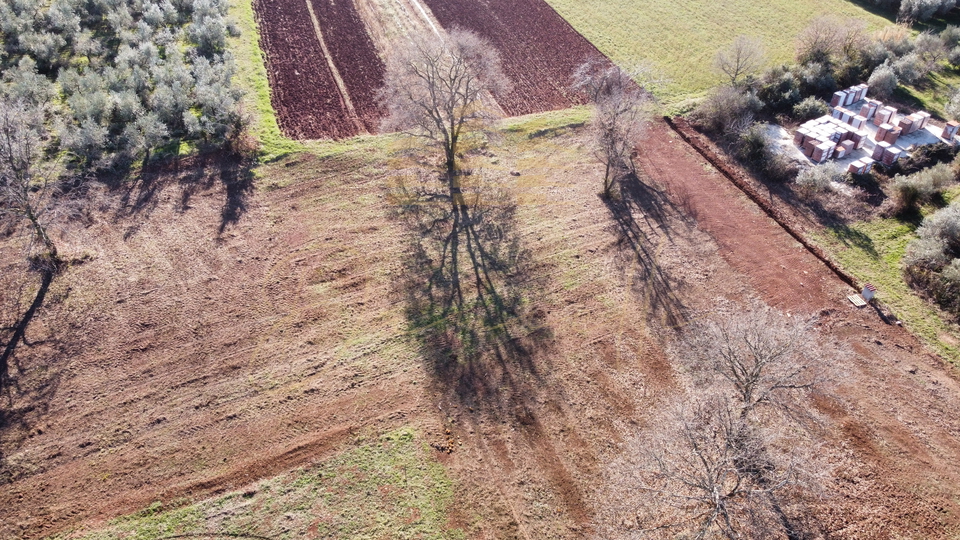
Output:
x=764 y=205
x=341 y=86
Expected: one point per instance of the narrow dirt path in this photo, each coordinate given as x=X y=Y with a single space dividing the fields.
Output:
x=899 y=418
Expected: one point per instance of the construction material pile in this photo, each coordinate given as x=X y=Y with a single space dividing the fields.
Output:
x=848 y=130
x=826 y=137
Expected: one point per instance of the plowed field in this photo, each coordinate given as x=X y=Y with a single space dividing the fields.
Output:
x=538 y=48
x=325 y=69
x=354 y=54
x=305 y=92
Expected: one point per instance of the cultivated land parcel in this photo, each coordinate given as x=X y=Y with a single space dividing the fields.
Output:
x=271 y=378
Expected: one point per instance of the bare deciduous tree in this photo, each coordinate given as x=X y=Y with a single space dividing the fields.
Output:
x=830 y=39
x=440 y=89
x=621 y=110
x=744 y=56
x=703 y=471
x=762 y=356
x=25 y=189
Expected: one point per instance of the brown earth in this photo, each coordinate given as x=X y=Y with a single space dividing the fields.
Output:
x=905 y=473
x=539 y=49
x=199 y=348
x=303 y=88
x=355 y=56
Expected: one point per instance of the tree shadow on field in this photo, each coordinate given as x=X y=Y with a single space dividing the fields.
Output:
x=141 y=193
x=639 y=208
x=466 y=286
x=28 y=380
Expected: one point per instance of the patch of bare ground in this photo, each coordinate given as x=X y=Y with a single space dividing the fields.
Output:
x=191 y=356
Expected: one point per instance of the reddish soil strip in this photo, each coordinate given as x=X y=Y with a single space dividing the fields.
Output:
x=538 y=48
x=688 y=134
x=303 y=90
x=354 y=55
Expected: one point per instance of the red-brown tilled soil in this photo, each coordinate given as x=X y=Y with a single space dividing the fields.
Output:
x=538 y=48
x=355 y=56
x=304 y=92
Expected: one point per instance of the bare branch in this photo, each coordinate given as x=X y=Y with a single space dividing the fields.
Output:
x=762 y=356
x=440 y=89
x=25 y=191
x=621 y=110
x=744 y=56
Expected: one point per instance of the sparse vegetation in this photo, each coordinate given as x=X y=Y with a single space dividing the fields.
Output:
x=389 y=485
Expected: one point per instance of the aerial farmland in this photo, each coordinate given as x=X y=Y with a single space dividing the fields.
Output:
x=477 y=269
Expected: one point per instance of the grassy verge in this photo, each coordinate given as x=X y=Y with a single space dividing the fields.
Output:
x=934 y=93
x=390 y=487
x=872 y=251
x=679 y=38
x=252 y=77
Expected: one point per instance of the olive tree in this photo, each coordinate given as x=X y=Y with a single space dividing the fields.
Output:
x=440 y=89
x=621 y=111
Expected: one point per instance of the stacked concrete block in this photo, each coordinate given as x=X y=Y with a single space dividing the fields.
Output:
x=891 y=154
x=884 y=115
x=950 y=130
x=879 y=149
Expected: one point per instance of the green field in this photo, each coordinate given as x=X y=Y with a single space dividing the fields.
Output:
x=387 y=487
x=679 y=38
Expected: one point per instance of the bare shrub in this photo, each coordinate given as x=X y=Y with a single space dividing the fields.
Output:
x=831 y=39
x=760 y=356
x=818 y=179
x=742 y=58
x=727 y=111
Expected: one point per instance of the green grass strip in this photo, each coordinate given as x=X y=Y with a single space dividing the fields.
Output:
x=388 y=487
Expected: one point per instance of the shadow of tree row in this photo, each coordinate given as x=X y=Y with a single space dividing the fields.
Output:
x=139 y=195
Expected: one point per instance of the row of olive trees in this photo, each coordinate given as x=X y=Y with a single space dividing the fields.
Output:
x=118 y=77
